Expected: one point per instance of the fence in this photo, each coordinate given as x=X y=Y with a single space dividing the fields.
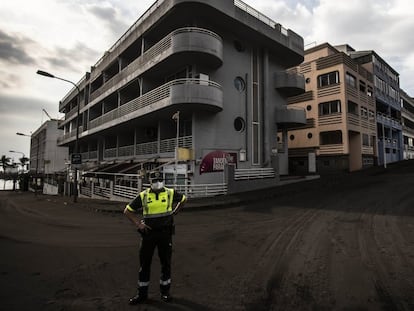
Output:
x=112 y=191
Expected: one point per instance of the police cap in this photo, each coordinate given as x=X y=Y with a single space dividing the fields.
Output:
x=156 y=176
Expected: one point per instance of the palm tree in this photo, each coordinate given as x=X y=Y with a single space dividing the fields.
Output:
x=4 y=163
x=23 y=162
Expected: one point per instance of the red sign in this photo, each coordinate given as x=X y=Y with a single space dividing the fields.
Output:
x=215 y=161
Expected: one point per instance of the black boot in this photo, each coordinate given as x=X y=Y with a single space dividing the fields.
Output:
x=139 y=298
x=165 y=296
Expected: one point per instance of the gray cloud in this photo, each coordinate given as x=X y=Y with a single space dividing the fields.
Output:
x=9 y=80
x=110 y=17
x=21 y=114
x=13 y=49
x=69 y=58
x=12 y=107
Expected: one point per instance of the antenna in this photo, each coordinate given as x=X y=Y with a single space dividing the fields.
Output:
x=44 y=110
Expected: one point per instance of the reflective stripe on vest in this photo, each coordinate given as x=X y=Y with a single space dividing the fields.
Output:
x=152 y=208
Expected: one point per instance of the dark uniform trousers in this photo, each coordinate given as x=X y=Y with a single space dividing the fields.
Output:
x=162 y=239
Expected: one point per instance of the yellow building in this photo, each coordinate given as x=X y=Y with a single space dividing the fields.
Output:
x=341 y=117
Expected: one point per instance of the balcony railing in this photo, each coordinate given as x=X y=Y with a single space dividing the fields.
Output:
x=149 y=148
x=160 y=51
x=248 y=9
x=131 y=29
x=149 y=98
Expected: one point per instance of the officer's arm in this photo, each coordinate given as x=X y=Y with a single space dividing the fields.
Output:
x=181 y=201
x=131 y=214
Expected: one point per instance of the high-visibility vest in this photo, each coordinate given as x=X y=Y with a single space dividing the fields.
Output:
x=152 y=208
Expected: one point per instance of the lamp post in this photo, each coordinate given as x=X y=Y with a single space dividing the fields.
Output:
x=176 y=117
x=76 y=157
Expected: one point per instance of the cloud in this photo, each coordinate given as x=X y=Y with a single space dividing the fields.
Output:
x=24 y=107
x=384 y=26
x=13 y=48
x=9 y=80
x=62 y=58
x=21 y=114
x=110 y=17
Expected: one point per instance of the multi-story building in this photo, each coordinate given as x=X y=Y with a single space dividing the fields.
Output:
x=340 y=132
x=387 y=102
x=45 y=157
x=207 y=76
x=407 y=120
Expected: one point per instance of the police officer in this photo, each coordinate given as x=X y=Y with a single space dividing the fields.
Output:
x=156 y=228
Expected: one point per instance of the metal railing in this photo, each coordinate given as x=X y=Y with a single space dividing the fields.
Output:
x=126 y=193
x=166 y=145
x=131 y=29
x=263 y=18
x=253 y=173
x=160 y=93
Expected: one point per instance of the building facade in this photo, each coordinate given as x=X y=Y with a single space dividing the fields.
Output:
x=206 y=76
x=45 y=157
x=388 y=106
x=407 y=121
x=340 y=132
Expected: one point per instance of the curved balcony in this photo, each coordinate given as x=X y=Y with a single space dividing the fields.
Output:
x=290 y=117
x=289 y=83
x=183 y=42
x=198 y=93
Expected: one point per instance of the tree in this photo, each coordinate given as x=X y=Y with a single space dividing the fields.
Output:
x=5 y=163
x=23 y=162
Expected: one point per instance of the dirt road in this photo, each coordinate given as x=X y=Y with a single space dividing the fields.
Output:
x=342 y=242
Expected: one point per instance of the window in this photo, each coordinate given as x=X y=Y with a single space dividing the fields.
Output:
x=328 y=79
x=239 y=124
x=371 y=115
x=239 y=84
x=329 y=107
x=352 y=107
x=330 y=137
x=364 y=113
x=369 y=91
x=310 y=135
x=362 y=86
x=350 y=80
x=292 y=137
x=366 y=140
x=308 y=107
x=238 y=46
x=393 y=93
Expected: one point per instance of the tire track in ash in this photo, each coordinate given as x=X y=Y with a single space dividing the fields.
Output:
x=269 y=275
x=373 y=255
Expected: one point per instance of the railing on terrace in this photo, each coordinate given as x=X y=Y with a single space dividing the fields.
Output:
x=253 y=173
x=245 y=7
x=148 y=56
x=126 y=193
x=166 y=145
x=147 y=148
x=151 y=97
x=132 y=28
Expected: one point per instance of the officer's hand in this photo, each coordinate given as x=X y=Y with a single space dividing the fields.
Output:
x=143 y=227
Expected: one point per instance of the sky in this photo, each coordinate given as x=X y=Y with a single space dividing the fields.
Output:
x=67 y=37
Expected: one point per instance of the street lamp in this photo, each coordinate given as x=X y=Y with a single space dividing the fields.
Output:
x=176 y=117
x=75 y=154
x=13 y=151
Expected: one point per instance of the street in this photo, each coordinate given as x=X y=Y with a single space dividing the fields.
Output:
x=341 y=242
